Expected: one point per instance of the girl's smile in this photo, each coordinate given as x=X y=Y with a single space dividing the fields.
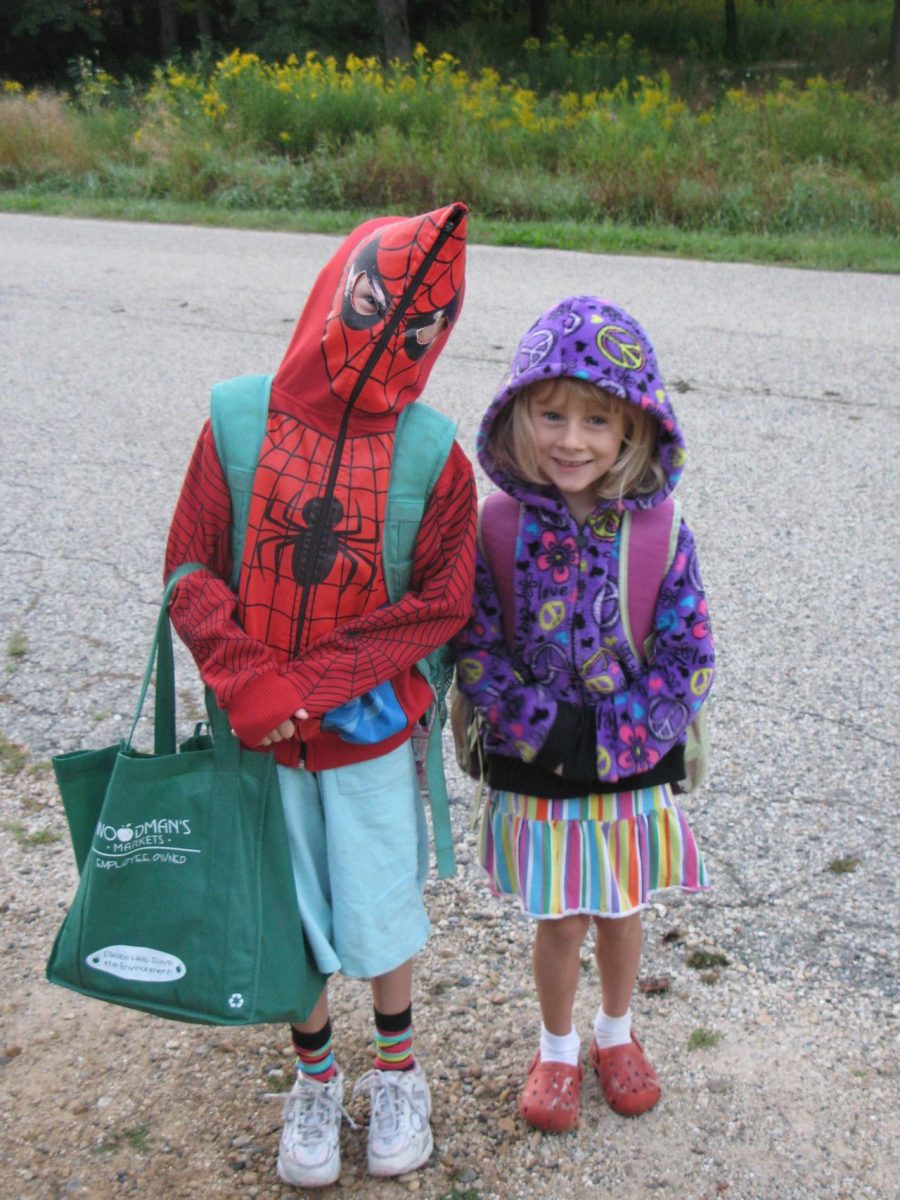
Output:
x=577 y=441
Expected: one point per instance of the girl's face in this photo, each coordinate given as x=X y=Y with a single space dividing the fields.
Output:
x=577 y=440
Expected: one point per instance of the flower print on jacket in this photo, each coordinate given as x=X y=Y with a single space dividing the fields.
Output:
x=574 y=697
x=637 y=755
x=559 y=555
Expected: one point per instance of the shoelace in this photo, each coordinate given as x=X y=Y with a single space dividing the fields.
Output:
x=386 y=1091
x=312 y=1098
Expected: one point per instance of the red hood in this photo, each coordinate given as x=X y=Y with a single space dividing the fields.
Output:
x=376 y=319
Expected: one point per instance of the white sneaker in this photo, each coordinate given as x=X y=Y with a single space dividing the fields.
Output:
x=399 y=1133
x=309 y=1154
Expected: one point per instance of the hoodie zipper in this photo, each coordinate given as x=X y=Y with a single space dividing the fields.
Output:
x=318 y=531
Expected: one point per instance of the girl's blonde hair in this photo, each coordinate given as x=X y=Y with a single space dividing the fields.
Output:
x=636 y=471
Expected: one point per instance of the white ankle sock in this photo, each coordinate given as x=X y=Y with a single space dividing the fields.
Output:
x=612 y=1031
x=562 y=1048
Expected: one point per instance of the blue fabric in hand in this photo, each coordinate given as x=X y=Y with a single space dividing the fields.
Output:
x=369 y=718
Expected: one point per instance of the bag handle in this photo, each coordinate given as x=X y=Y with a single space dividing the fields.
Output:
x=162 y=658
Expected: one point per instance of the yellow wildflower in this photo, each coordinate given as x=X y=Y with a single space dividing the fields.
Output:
x=212 y=105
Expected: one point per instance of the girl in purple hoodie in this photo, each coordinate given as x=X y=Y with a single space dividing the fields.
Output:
x=583 y=733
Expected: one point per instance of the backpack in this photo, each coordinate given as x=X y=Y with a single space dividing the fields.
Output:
x=239 y=413
x=648 y=541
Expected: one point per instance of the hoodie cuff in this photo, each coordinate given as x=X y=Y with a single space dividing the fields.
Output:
x=571 y=745
x=262 y=705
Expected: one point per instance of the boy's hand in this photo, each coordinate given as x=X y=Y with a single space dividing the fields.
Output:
x=286 y=729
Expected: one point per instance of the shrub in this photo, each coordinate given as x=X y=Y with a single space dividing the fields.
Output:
x=39 y=136
x=242 y=133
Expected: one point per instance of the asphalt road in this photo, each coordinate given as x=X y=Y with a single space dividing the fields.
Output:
x=785 y=382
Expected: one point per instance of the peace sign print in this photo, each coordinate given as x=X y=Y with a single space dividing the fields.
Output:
x=573 y=320
x=620 y=347
x=534 y=349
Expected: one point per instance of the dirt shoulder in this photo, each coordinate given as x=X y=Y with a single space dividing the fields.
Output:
x=792 y=1092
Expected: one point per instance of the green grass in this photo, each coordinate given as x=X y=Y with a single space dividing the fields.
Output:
x=13 y=757
x=799 y=173
x=280 y=1083
x=17 y=646
x=703 y=1039
x=838 y=252
x=703 y=960
x=41 y=837
x=843 y=866
x=136 y=1139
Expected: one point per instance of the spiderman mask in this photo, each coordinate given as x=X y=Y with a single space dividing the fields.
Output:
x=397 y=299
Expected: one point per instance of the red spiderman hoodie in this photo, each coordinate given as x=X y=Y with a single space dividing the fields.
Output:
x=312 y=626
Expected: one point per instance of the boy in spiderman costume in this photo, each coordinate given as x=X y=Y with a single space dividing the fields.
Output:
x=311 y=628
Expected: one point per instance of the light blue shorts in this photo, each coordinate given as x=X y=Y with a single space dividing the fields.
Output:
x=359 y=848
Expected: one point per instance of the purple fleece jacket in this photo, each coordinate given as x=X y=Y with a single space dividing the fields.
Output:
x=573 y=695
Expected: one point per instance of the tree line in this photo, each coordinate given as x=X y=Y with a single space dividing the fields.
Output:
x=43 y=41
x=38 y=38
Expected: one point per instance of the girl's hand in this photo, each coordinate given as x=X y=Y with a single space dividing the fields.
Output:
x=286 y=729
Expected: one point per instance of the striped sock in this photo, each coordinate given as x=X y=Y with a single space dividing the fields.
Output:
x=315 y=1057
x=393 y=1041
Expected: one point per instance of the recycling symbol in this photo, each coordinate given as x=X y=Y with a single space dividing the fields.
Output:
x=235 y=1000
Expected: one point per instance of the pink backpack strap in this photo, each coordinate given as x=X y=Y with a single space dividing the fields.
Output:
x=649 y=538
x=498 y=526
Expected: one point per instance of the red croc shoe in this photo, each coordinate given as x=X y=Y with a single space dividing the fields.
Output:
x=551 y=1098
x=629 y=1083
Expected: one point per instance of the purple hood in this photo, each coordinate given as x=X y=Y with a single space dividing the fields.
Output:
x=593 y=339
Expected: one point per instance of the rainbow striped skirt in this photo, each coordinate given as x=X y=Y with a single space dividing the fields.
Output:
x=595 y=854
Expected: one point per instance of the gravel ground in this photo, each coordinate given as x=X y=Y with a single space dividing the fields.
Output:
x=794 y=1097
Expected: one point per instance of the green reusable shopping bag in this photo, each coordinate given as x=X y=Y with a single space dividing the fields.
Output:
x=186 y=905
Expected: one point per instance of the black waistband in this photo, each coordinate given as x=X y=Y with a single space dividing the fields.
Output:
x=530 y=779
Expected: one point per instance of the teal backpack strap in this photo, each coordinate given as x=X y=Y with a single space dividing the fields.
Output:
x=422 y=444
x=239 y=410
